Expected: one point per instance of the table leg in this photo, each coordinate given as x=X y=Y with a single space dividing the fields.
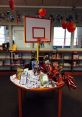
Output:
x=20 y=101
x=59 y=102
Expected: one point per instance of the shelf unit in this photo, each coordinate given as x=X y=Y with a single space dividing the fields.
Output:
x=71 y=59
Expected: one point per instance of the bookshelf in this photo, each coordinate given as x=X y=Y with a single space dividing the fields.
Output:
x=71 y=59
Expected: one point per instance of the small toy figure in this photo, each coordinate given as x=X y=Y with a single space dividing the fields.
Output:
x=14 y=47
x=32 y=61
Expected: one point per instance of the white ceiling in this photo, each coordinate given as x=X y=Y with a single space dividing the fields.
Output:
x=47 y=3
x=26 y=7
x=54 y=7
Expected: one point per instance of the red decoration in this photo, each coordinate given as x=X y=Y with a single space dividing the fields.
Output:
x=11 y=4
x=60 y=81
x=54 y=72
x=64 y=24
x=71 y=26
x=70 y=81
x=42 y=12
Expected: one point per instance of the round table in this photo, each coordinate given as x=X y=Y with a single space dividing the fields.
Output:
x=22 y=88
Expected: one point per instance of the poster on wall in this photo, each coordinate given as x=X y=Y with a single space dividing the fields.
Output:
x=37 y=28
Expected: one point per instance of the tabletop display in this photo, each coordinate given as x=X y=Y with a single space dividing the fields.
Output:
x=29 y=80
x=42 y=76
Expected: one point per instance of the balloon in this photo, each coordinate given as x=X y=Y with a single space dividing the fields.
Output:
x=59 y=17
x=71 y=26
x=11 y=18
x=8 y=13
x=11 y=4
x=51 y=17
x=42 y=12
x=64 y=24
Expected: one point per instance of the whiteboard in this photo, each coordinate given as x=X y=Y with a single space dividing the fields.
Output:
x=37 y=28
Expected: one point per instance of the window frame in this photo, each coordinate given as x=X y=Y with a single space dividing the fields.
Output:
x=64 y=38
x=5 y=33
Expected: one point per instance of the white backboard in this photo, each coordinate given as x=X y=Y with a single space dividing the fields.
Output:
x=37 y=28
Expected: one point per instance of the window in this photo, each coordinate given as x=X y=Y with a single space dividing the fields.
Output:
x=2 y=34
x=62 y=37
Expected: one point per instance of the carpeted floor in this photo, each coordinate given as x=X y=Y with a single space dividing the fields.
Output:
x=39 y=104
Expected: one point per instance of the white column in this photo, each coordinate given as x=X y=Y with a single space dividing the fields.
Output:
x=10 y=35
x=72 y=40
